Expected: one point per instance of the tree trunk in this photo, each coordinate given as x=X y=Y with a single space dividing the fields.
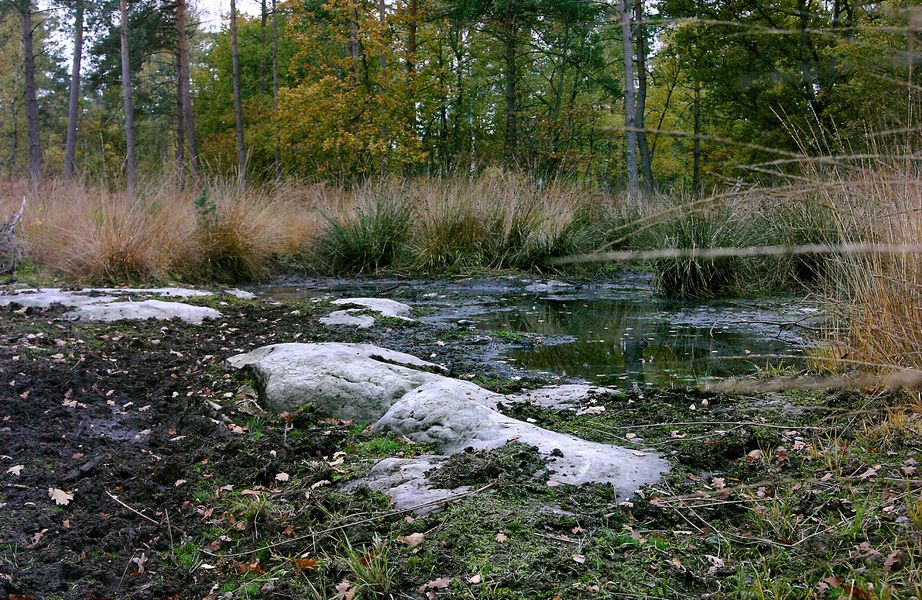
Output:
x=275 y=90
x=180 y=126
x=411 y=35
x=185 y=83
x=512 y=134
x=238 y=112
x=28 y=52
x=630 y=123
x=382 y=18
x=263 y=15
x=354 y=47
x=130 y=161
x=70 y=146
x=696 y=144
x=646 y=165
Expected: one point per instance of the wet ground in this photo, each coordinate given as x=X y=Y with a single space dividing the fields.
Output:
x=615 y=333
x=134 y=464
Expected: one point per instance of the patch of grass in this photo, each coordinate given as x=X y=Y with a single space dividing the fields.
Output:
x=367 y=239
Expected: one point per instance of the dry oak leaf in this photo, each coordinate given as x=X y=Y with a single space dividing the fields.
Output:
x=60 y=497
x=414 y=539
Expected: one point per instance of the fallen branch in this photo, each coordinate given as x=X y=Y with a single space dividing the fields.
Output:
x=10 y=252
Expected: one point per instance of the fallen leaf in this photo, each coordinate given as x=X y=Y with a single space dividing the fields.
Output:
x=306 y=564
x=892 y=560
x=37 y=537
x=15 y=470
x=345 y=591
x=281 y=476
x=179 y=482
x=719 y=482
x=476 y=579
x=60 y=497
x=716 y=563
x=414 y=539
x=578 y=558
x=501 y=537
x=827 y=584
x=439 y=583
x=139 y=562
x=871 y=472
x=754 y=456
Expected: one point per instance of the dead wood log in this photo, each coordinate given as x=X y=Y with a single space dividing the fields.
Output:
x=10 y=247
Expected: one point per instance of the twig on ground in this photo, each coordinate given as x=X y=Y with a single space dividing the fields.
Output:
x=140 y=514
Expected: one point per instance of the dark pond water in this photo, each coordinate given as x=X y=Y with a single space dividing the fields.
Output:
x=609 y=334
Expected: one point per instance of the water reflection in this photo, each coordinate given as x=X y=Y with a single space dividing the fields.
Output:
x=616 y=340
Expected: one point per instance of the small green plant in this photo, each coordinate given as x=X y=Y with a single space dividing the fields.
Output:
x=371 y=568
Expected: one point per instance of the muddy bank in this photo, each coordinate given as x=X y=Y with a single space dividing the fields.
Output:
x=175 y=483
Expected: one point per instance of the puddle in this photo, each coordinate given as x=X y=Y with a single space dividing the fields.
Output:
x=616 y=334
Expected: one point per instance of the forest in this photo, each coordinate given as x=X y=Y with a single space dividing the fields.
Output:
x=537 y=299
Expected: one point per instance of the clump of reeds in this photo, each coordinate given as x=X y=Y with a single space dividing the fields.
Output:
x=876 y=299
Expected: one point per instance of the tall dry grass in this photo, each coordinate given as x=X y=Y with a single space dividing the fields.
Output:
x=90 y=235
x=876 y=299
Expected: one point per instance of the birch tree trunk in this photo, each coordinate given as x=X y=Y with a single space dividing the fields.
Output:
x=238 y=112
x=630 y=122
x=28 y=52
x=70 y=146
x=130 y=160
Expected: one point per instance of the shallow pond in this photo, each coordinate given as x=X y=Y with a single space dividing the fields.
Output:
x=613 y=333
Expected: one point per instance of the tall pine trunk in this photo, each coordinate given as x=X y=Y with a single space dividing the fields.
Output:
x=696 y=144
x=413 y=26
x=28 y=53
x=70 y=146
x=130 y=160
x=238 y=112
x=275 y=90
x=646 y=165
x=512 y=94
x=185 y=92
x=263 y=17
x=630 y=121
